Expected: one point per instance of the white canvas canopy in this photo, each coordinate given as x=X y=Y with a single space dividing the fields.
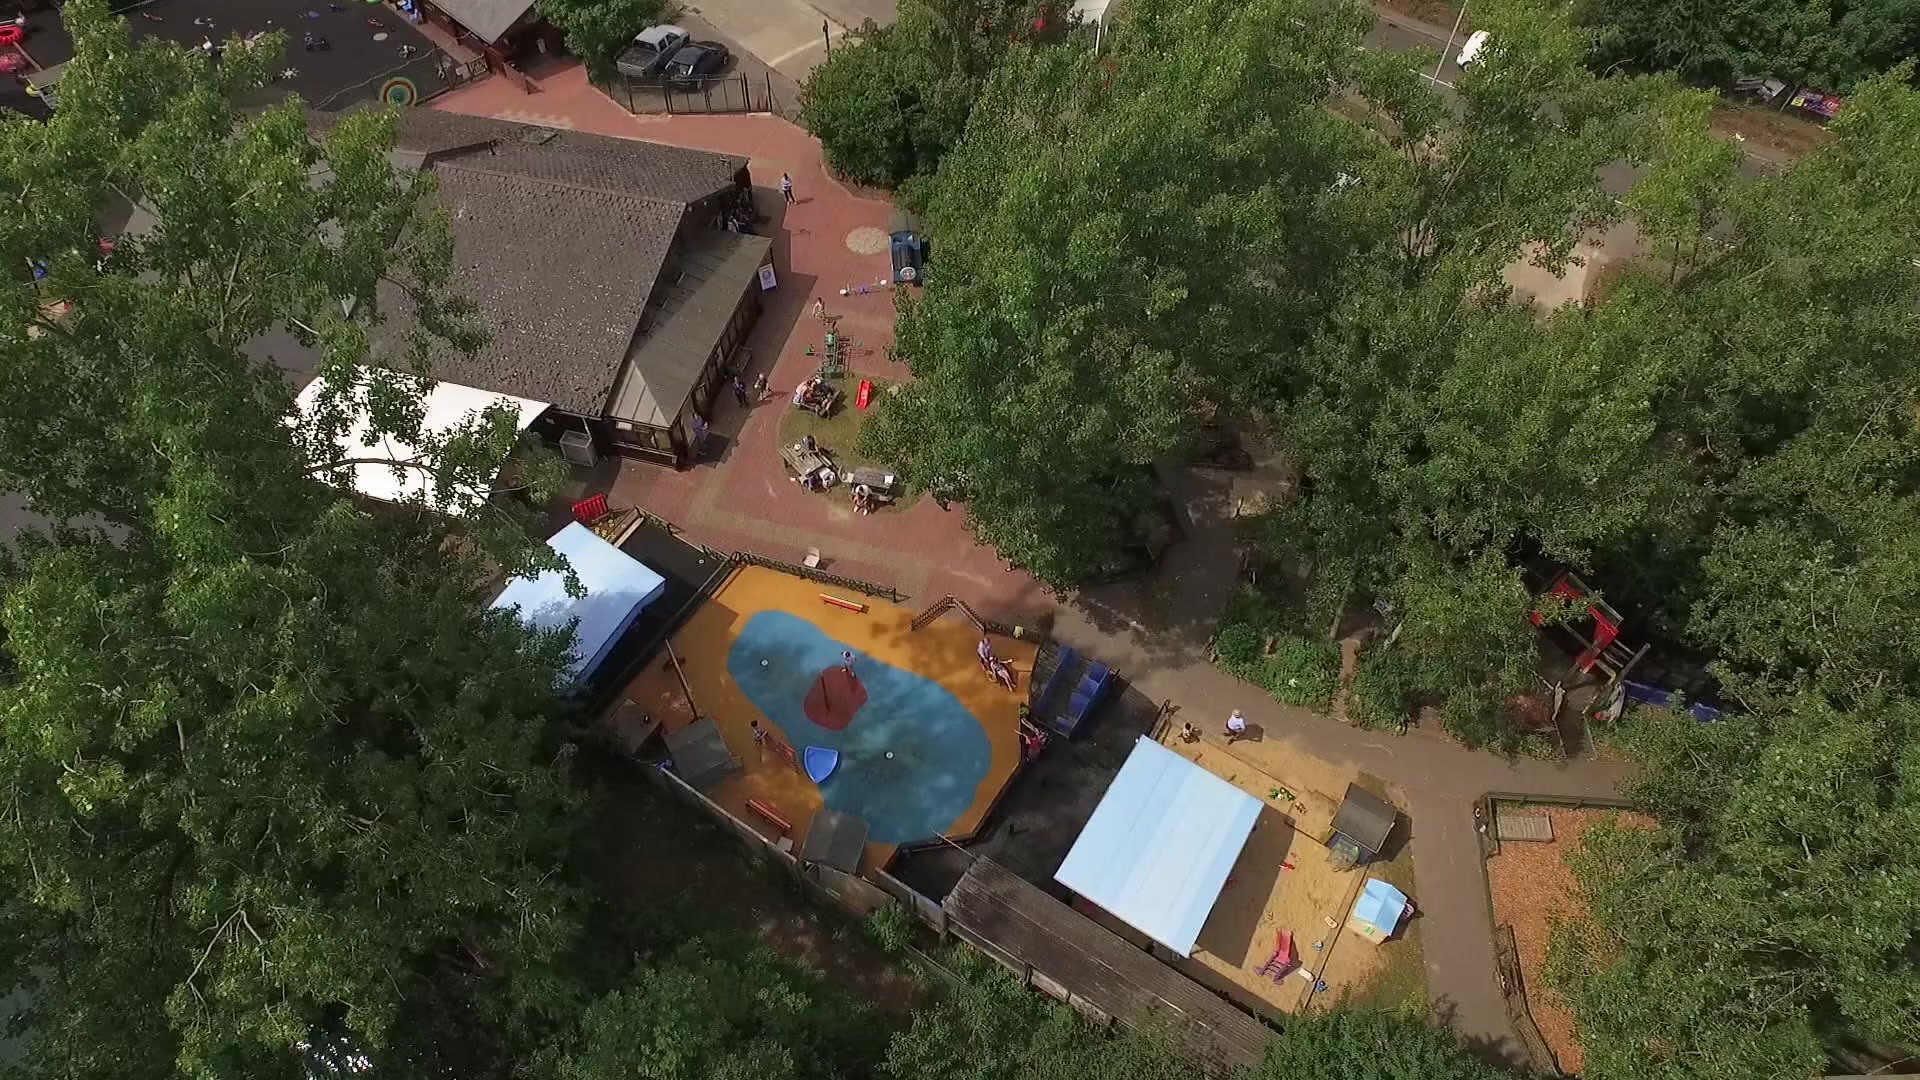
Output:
x=448 y=405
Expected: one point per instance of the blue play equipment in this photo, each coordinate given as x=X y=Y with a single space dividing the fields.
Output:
x=1074 y=686
x=819 y=761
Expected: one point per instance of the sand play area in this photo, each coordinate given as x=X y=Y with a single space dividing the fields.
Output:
x=1284 y=879
x=924 y=741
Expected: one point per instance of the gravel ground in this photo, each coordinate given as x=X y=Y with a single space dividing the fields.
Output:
x=1531 y=882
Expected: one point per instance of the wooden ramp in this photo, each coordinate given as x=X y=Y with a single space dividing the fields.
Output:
x=1068 y=954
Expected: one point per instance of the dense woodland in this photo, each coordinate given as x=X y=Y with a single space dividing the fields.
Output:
x=1832 y=46
x=1233 y=214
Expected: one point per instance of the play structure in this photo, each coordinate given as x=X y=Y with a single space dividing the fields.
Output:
x=1065 y=687
x=1071 y=686
x=1377 y=914
x=1283 y=961
x=857 y=713
x=1360 y=828
x=820 y=761
x=1597 y=633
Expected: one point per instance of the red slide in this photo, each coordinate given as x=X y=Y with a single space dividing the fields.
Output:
x=866 y=395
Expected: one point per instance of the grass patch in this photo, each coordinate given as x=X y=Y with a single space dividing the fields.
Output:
x=837 y=433
x=1400 y=985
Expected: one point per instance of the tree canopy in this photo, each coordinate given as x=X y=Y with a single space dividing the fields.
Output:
x=1836 y=46
x=889 y=102
x=598 y=31
x=274 y=779
x=1232 y=216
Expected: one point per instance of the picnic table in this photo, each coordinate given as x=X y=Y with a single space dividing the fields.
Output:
x=822 y=401
x=881 y=485
x=880 y=481
x=803 y=462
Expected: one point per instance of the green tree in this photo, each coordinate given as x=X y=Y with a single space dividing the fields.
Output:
x=598 y=31
x=1121 y=245
x=1835 y=46
x=1773 y=906
x=273 y=778
x=889 y=103
x=1774 y=902
x=701 y=1013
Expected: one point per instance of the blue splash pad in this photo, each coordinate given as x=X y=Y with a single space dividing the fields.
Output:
x=940 y=754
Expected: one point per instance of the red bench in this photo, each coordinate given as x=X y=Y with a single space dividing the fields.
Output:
x=766 y=810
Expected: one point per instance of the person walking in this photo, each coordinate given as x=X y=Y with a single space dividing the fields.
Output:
x=846 y=662
x=740 y=391
x=759 y=737
x=761 y=390
x=786 y=187
x=1236 y=725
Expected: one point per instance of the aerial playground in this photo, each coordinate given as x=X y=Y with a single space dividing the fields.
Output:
x=828 y=700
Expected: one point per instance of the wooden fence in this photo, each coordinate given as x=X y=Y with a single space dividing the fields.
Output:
x=884 y=592
x=1513 y=988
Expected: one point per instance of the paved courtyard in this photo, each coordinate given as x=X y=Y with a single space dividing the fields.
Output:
x=1154 y=630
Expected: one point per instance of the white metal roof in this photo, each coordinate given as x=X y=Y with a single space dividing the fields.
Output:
x=1159 y=847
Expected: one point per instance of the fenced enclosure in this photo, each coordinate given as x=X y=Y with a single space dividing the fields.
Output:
x=737 y=93
x=1513 y=990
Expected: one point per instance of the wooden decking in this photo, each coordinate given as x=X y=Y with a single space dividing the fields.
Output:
x=1008 y=916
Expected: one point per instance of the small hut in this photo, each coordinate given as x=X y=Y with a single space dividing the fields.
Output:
x=1361 y=827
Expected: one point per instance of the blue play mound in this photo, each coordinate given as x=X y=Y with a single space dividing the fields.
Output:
x=819 y=762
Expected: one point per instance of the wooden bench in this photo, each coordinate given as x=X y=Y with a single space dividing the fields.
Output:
x=772 y=816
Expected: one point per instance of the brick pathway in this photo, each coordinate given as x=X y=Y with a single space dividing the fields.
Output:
x=1154 y=630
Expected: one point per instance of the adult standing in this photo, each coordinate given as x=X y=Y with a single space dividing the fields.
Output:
x=786 y=187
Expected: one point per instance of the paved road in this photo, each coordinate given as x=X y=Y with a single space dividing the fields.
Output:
x=791 y=36
x=1156 y=633
x=1395 y=32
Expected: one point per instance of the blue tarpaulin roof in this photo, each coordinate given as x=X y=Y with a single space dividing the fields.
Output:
x=618 y=587
x=1380 y=906
x=1160 y=845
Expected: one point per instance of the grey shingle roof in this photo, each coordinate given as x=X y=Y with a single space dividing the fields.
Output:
x=1365 y=818
x=488 y=19
x=631 y=166
x=558 y=244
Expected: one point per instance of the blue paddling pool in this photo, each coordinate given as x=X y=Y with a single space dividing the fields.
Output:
x=907 y=756
x=819 y=761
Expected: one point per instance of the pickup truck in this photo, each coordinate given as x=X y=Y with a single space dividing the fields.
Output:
x=651 y=49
